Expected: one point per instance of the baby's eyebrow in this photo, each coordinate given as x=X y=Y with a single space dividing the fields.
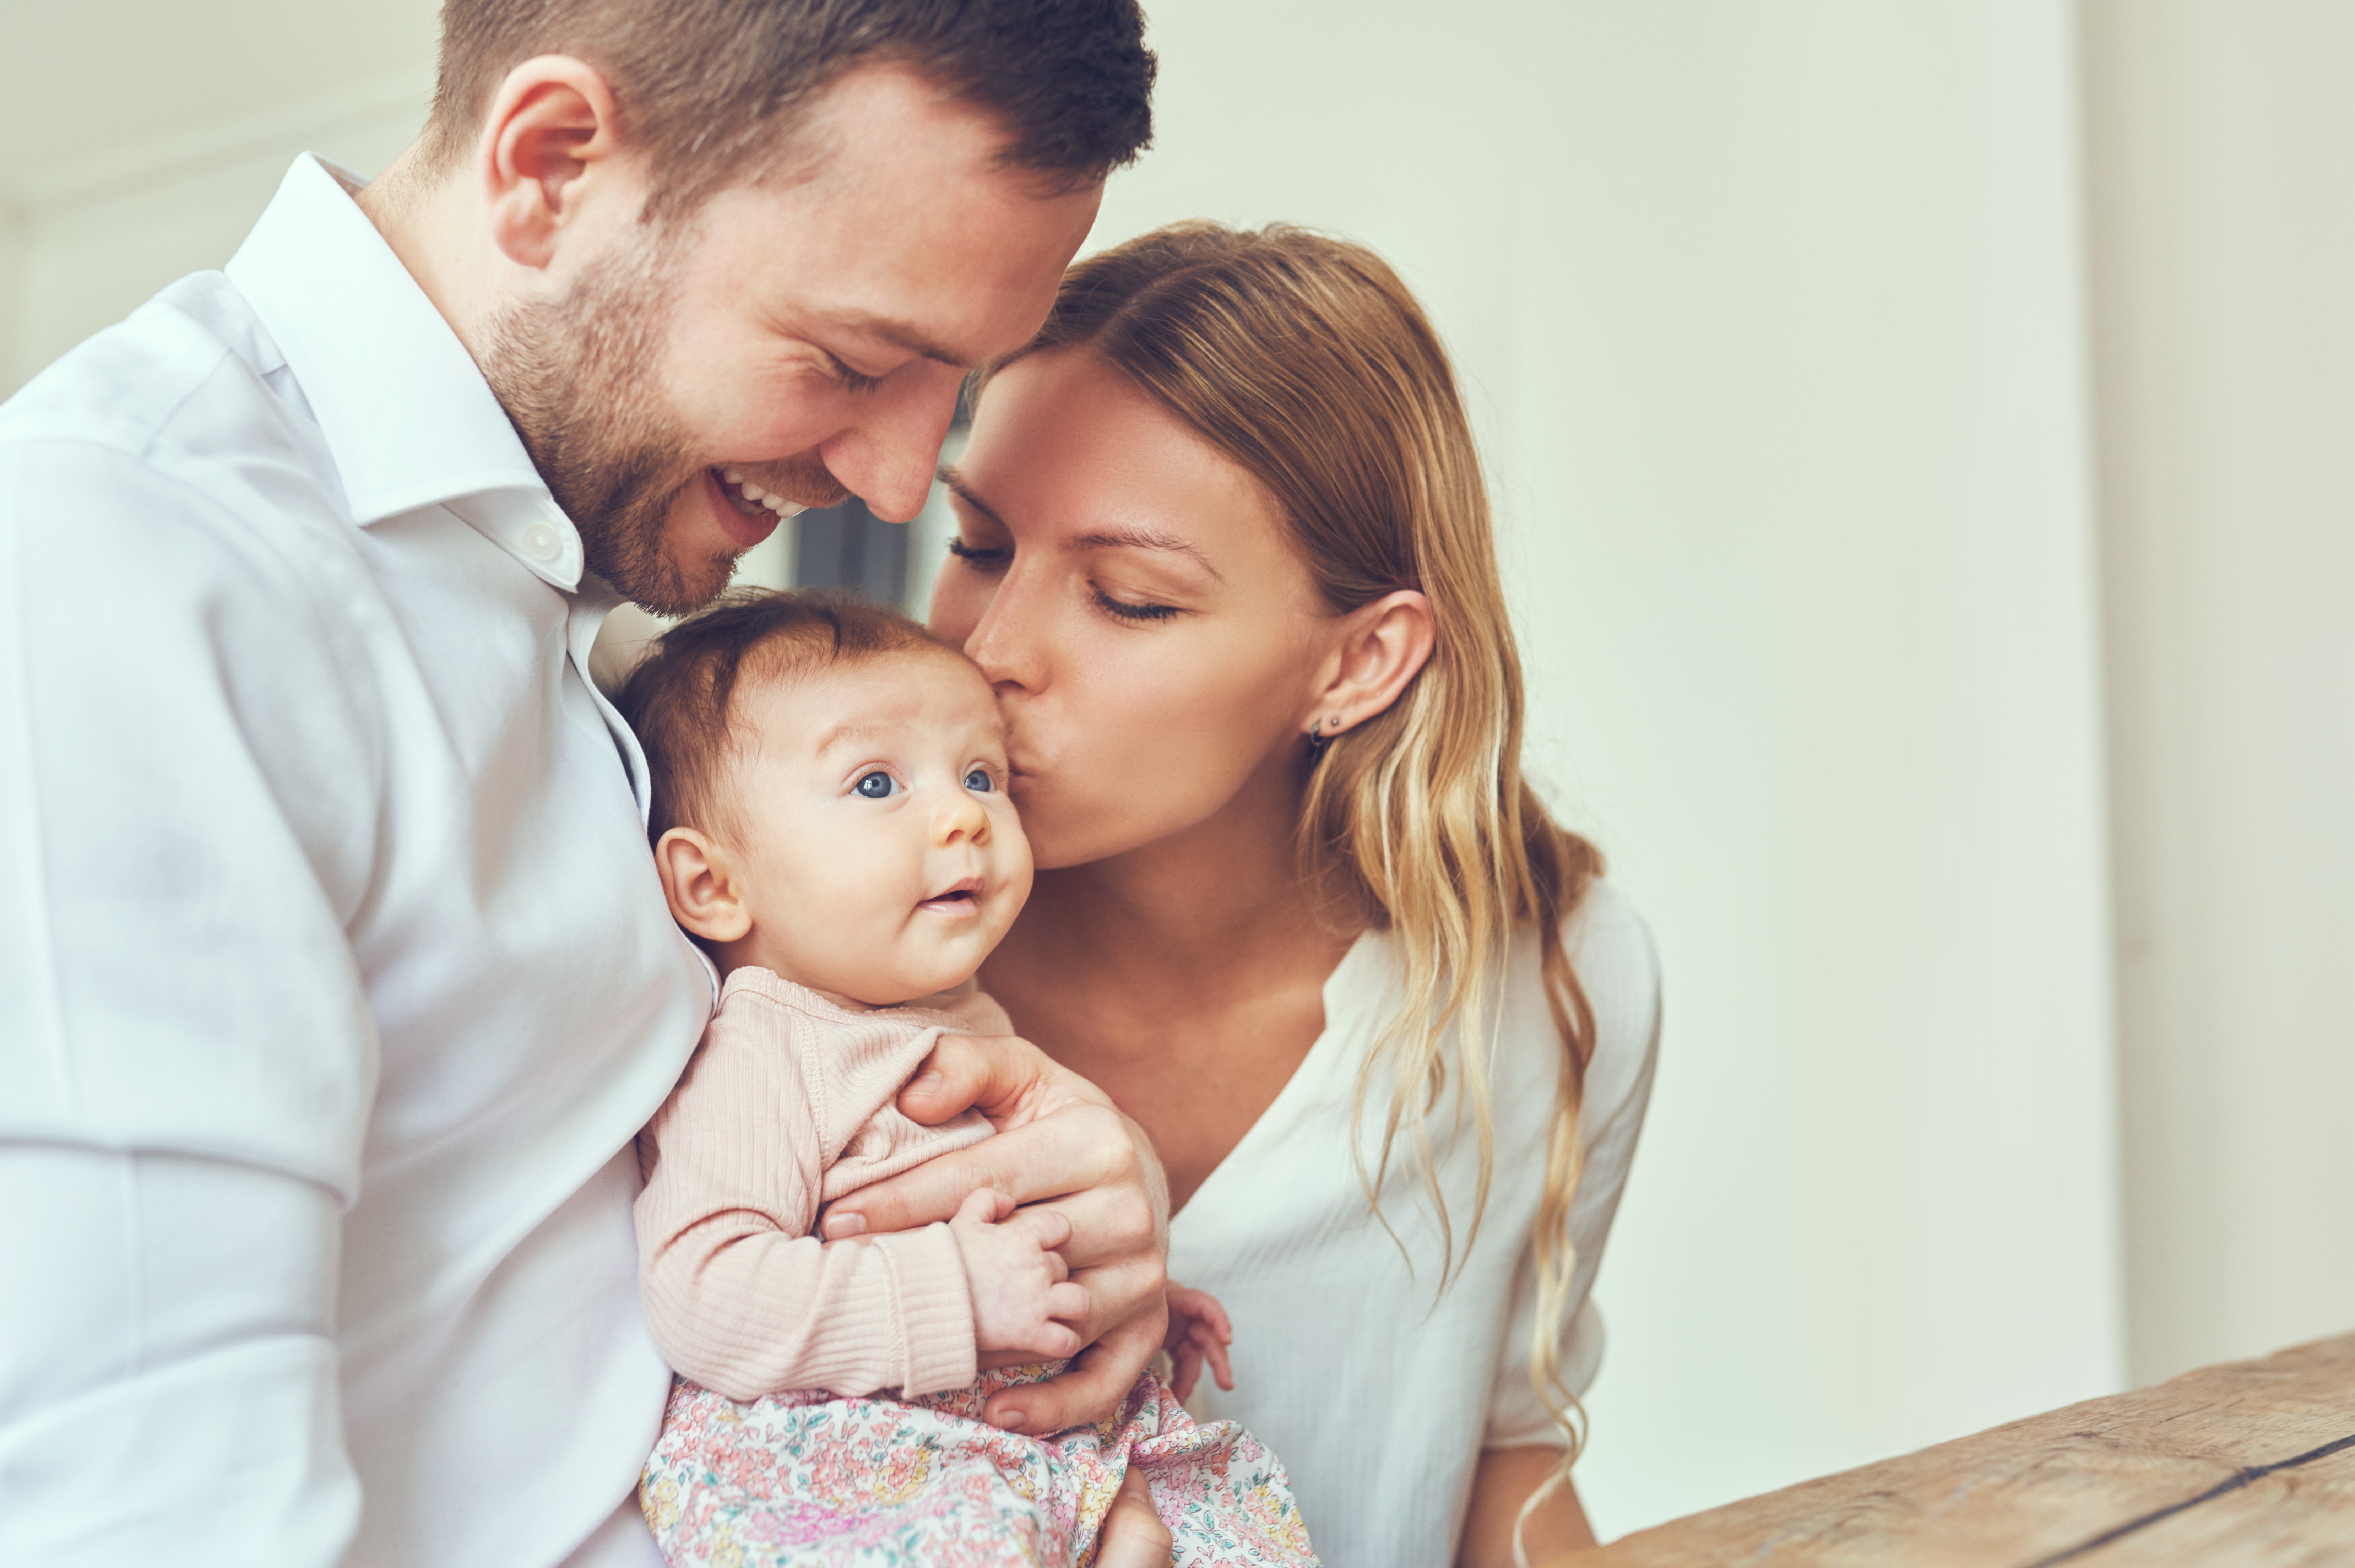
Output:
x=850 y=729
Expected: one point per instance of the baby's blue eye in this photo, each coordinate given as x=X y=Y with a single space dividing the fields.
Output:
x=979 y=782
x=876 y=786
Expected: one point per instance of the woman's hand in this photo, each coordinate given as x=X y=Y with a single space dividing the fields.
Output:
x=1062 y=1144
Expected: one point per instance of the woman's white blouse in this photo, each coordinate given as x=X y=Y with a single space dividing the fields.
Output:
x=1377 y=1388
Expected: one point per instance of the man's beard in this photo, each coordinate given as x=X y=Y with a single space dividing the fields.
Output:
x=580 y=377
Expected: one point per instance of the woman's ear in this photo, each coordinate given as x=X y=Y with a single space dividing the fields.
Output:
x=1384 y=646
x=551 y=122
x=700 y=884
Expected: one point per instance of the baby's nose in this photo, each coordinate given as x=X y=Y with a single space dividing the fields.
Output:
x=961 y=818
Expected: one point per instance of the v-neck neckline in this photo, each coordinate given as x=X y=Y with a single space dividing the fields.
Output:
x=1345 y=995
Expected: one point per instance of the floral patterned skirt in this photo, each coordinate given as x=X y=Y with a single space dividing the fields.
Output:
x=800 y=1480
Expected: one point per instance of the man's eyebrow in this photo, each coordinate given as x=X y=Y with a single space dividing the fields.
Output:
x=899 y=335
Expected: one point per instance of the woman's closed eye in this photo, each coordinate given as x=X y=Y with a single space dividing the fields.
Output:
x=1131 y=609
x=980 y=558
x=876 y=785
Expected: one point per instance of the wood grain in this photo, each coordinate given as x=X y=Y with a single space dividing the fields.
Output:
x=2175 y=1474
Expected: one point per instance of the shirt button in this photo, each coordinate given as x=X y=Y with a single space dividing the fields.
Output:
x=542 y=543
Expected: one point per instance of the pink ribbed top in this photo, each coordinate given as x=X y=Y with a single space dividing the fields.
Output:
x=787 y=1105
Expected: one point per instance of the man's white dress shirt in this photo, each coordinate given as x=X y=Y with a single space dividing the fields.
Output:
x=335 y=979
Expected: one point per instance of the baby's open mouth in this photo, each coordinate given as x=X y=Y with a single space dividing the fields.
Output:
x=959 y=900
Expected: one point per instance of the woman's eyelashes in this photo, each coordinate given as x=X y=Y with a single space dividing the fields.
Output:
x=980 y=558
x=995 y=559
x=1126 y=611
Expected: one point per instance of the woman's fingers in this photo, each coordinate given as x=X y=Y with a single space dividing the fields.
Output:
x=1134 y=1535
x=1082 y=1152
x=1099 y=1378
x=1003 y=1076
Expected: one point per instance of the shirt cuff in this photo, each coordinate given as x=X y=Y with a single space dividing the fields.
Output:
x=936 y=1330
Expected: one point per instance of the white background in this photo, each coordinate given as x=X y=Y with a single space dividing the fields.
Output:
x=1922 y=436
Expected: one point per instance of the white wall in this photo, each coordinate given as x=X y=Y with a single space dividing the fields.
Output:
x=2222 y=139
x=98 y=234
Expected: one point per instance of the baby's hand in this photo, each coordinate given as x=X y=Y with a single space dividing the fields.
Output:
x=1017 y=1278
x=1198 y=1331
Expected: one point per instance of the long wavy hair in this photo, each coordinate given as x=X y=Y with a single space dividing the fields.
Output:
x=1306 y=361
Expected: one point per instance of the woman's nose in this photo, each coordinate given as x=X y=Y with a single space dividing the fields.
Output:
x=961 y=819
x=1002 y=642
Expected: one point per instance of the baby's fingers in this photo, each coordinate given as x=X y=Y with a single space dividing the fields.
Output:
x=1185 y=1370
x=1220 y=1368
x=1202 y=1307
x=985 y=1205
x=1067 y=1303
x=1050 y=1227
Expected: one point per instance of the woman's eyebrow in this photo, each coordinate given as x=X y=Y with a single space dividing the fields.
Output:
x=1127 y=537
x=963 y=489
x=1134 y=538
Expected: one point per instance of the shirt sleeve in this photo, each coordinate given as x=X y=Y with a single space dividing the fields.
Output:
x=1617 y=964
x=188 y=778
x=740 y=1296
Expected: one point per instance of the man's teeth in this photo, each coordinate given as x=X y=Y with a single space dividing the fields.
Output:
x=759 y=497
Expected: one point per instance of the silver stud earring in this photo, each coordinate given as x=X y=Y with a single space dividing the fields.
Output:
x=1318 y=740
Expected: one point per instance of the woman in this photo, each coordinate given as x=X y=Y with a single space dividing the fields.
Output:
x=1224 y=548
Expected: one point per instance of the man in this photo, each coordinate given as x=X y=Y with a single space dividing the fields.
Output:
x=334 y=980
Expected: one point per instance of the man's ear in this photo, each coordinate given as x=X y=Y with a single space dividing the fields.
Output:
x=551 y=122
x=700 y=884
x=1384 y=646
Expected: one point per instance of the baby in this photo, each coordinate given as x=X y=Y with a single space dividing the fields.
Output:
x=832 y=822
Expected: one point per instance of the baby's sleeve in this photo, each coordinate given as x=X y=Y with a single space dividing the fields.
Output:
x=739 y=1295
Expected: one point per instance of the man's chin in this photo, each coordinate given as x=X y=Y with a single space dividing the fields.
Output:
x=664 y=585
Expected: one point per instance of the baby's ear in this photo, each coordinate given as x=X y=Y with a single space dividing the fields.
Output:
x=700 y=884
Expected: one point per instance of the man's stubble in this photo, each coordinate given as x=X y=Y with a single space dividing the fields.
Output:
x=580 y=377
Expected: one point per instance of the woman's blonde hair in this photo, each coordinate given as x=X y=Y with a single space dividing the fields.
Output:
x=1307 y=362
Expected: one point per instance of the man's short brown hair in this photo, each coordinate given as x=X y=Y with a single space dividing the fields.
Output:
x=680 y=700
x=702 y=86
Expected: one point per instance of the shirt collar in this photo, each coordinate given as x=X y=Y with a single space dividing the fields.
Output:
x=406 y=413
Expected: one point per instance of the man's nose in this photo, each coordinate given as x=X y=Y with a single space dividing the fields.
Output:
x=960 y=820
x=889 y=456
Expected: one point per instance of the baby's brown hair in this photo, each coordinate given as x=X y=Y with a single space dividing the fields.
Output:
x=678 y=699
